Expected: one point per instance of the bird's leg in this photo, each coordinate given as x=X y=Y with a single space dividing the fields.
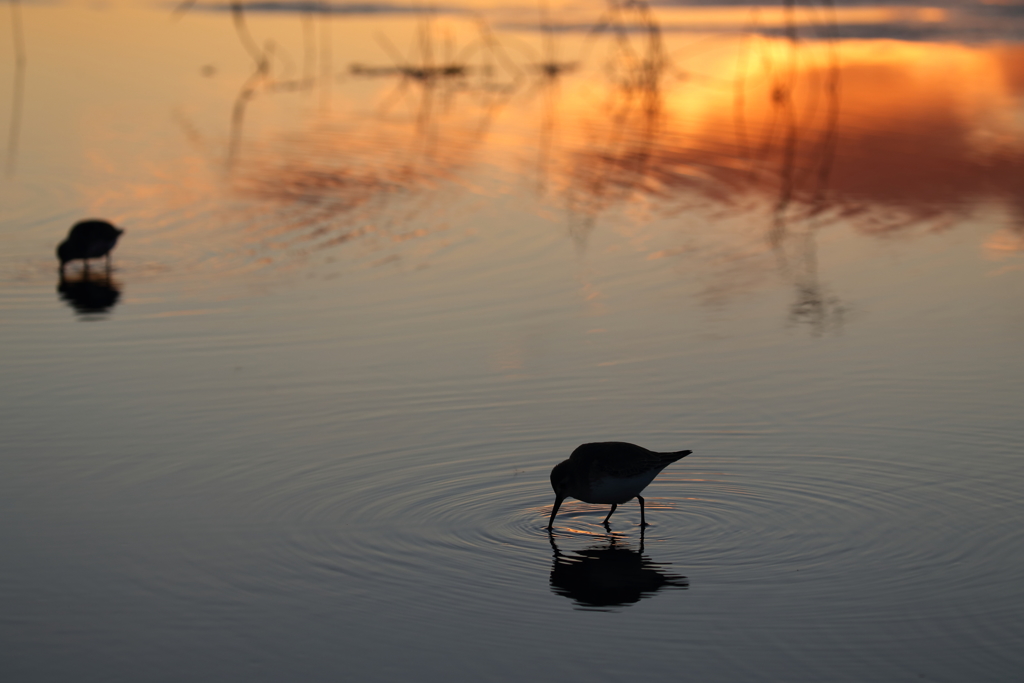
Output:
x=614 y=505
x=643 y=522
x=554 y=511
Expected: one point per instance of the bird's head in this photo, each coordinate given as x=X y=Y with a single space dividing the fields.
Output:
x=560 y=478
x=561 y=482
x=64 y=253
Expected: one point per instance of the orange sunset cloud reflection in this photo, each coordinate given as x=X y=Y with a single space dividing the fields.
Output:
x=893 y=132
x=736 y=165
x=745 y=139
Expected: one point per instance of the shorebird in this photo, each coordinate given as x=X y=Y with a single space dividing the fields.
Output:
x=86 y=240
x=610 y=472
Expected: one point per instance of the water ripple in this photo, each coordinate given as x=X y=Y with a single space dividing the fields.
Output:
x=851 y=521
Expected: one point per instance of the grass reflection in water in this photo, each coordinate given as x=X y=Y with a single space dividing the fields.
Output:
x=786 y=125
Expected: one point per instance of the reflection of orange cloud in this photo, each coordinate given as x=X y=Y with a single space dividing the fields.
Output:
x=725 y=17
x=932 y=127
x=1003 y=244
x=1011 y=62
x=913 y=127
x=769 y=16
x=921 y=127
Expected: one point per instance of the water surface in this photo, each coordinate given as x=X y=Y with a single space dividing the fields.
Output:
x=382 y=270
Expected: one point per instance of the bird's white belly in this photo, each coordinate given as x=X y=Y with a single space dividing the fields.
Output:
x=617 y=489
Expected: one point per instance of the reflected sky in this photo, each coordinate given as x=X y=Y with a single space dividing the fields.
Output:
x=383 y=268
x=329 y=115
x=293 y=134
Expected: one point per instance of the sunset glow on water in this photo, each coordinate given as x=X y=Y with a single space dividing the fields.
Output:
x=384 y=266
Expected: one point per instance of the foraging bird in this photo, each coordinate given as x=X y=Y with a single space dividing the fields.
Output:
x=611 y=472
x=86 y=240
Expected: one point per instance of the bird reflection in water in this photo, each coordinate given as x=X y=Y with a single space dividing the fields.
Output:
x=89 y=293
x=609 y=575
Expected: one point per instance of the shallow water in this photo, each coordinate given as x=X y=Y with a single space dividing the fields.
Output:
x=304 y=429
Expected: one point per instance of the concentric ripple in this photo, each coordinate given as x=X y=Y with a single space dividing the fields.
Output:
x=465 y=521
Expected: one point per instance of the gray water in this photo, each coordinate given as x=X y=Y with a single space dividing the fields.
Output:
x=303 y=430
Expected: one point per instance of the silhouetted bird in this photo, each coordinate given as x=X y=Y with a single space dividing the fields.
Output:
x=611 y=472
x=86 y=240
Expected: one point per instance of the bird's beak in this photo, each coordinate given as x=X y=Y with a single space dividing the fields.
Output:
x=554 y=510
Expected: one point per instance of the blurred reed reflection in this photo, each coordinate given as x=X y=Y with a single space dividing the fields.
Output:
x=616 y=161
x=609 y=575
x=775 y=135
x=434 y=67
x=17 y=88
x=782 y=126
x=336 y=180
x=89 y=292
x=792 y=111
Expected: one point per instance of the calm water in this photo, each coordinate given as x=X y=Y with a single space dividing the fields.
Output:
x=382 y=270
